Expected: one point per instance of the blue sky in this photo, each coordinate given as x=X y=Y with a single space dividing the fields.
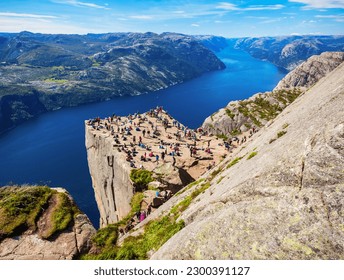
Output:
x=233 y=18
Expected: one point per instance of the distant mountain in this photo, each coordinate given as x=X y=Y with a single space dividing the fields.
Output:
x=40 y=72
x=289 y=51
x=214 y=43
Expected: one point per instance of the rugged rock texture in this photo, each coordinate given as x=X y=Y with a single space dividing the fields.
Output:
x=68 y=70
x=65 y=245
x=290 y=51
x=110 y=172
x=311 y=71
x=284 y=197
x=256 y=111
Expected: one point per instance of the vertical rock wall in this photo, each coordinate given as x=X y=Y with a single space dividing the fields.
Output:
x=110 y=177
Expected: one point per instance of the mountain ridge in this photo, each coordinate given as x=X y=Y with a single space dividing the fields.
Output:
x=57 y=71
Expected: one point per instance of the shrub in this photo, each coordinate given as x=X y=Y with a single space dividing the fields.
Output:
x=141 y=178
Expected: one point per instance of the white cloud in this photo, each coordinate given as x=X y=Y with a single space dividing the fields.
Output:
x=338 y=18
x=39 y=25
x=195 y=25
x=26 y=15
x=231 y=7
x=227 y=6
x=144 y=17
x=321 y=4
x=264 y=7
x=80 y=4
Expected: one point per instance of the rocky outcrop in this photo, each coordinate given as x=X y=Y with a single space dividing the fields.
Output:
x=156 y=147
x=290 y=51
x=311 y=71
x=29 y=240
x=252 y=113
x=68 y=70
x=280 y=196
x=110 y=176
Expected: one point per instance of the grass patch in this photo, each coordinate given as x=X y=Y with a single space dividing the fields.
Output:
x=230 y=114
x=189 y=186
x=106 y=237
x=141 y=178
x=251 y=155
x=181 y=206
x=62 y=215
x=20 y=208
x=219 y=180
x=233 y=162
x=235 y=132
x=156 y=233
x=281 y=133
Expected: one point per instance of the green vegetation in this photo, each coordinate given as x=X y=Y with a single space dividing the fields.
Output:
x=20 y=208
x=281 y=133
x=235 y=132
x=214 y=174
x=106 y=237
x=248 y=125
x=189 y=186
x=181 y=206
x=156 y=233
x=233 y=162
x=219 y=180
x=62 y=214
x=261 y=108
x=251 y=155
x=230 y=114
x=141 y=178
x=135 y=204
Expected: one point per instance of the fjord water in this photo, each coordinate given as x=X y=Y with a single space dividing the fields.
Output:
x=50 y=149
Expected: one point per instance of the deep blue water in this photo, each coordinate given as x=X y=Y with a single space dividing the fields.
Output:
x=50 y=149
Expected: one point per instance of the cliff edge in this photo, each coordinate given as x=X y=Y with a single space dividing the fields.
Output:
x=281 y=195
x=39 y=223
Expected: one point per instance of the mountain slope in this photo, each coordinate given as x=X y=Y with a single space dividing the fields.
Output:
x=281 y=199
x=290 y=51
x=40 y=72
x=311 y=71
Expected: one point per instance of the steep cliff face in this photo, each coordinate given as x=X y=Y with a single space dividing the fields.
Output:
x=39 y=223
x=280 y=196
x=110 y=177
